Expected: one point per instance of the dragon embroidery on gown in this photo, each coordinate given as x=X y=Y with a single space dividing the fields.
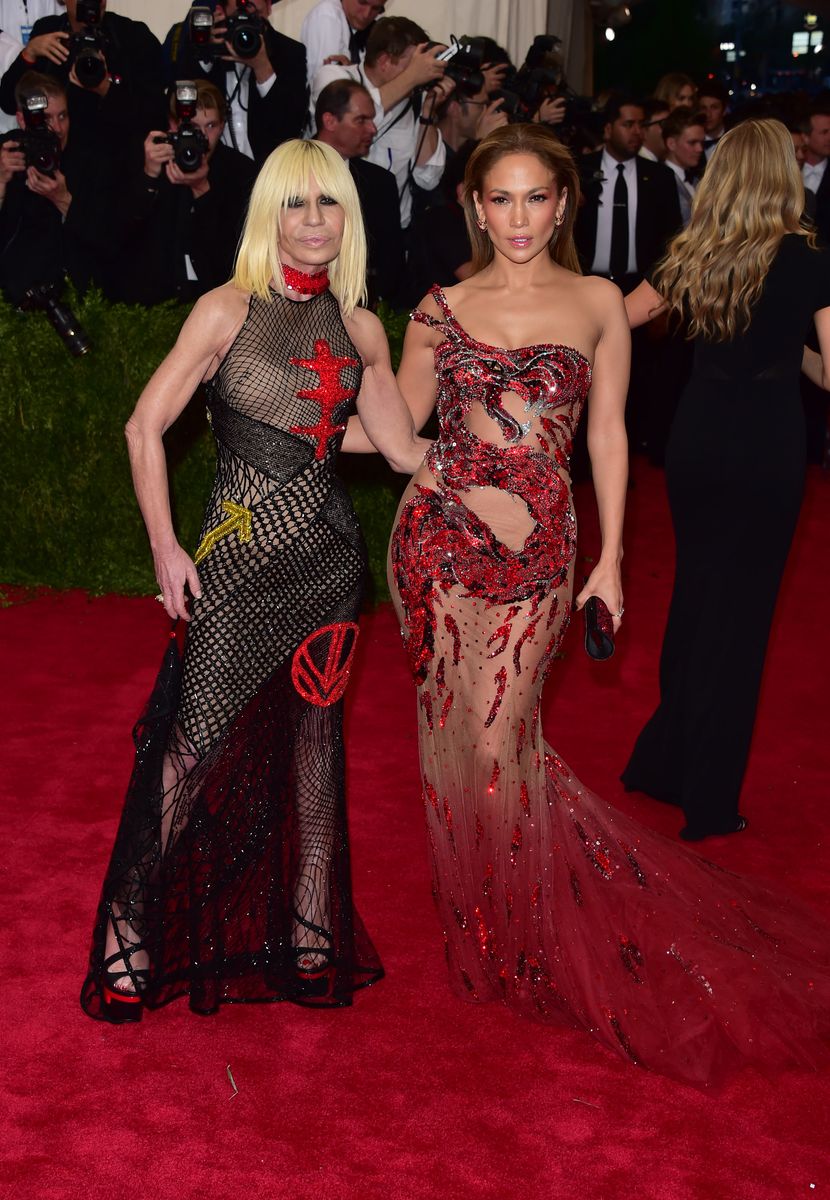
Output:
x=550 y=899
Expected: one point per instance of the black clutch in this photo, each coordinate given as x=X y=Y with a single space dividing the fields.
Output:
x=599 y=629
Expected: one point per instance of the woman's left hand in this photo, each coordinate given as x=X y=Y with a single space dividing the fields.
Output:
x=605 y=582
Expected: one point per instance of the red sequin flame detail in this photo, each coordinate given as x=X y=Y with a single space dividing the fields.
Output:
x=329 y=393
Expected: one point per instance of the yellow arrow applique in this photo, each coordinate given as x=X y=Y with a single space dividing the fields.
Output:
x=239 y=522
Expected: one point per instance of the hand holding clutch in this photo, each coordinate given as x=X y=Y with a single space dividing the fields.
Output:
x=599 y=629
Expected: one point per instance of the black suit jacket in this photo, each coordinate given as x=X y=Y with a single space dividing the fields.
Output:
x=378 y=194
x=135 y=103
x=658 y=211
x=821 y=207
x=273 y=118
x=38 y=245
x=161 y=222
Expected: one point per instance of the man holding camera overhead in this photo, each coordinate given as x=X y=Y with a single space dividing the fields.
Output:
x=57 y=201
x=405 y=78
x=261 y=72
x=110 y=66
x=183 y=210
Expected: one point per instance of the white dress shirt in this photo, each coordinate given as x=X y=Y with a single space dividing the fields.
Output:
x=685 y=190
x=813 y=173
x=713 y=139
x=238 y=90
x=18 y=16
x=605 y=214
x=10 y=47
x=398 y=137
x=325 y=31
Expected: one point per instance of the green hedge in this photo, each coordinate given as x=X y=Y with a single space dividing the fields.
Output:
x=69 y=514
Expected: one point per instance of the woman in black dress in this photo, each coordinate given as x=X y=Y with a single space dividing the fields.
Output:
x=749 y=279
x=229 y=880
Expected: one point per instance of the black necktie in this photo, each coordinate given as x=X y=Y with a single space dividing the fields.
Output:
x=357 y=42
x=709 y=142
x=619 y=226
x=690 y=175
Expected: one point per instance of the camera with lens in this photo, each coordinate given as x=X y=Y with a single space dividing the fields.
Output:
x=87 y=47
x=464 y=58
x=46 y=297
x=245 y=30
x=189 y=143
x=540 y=78
x=41 y=147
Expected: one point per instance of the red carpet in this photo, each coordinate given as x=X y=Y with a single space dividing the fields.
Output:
x=410 y=1094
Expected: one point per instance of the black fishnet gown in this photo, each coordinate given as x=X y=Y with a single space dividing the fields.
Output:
x=735 y=468
x=231 y=861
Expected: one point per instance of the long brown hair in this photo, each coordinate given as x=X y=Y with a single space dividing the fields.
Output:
x=544 y=145
x=750 y=196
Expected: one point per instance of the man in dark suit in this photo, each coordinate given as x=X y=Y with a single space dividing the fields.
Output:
x=816 y=175
x=630 y=207
x=180 y=228
x=58 y=223
x=345 y=119
x=815 y=170
x=630 y=210
x=266 y=95
x=130 y=93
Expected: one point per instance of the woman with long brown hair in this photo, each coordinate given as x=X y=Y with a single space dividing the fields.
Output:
x=550 y=900
x=746 y=276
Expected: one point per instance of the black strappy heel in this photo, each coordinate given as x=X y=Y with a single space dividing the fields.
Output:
x=313 y=965
x=121 y=1006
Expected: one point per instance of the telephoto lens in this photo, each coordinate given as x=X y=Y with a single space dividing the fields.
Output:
x=46 y=297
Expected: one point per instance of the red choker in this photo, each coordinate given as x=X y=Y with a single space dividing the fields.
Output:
x=306 y=285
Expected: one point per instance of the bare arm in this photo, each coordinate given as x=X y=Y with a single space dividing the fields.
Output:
x=383 y=414
x=416 y=374
x=816 y=366
x=608 y=448
x=643 y=305
x=200 y=344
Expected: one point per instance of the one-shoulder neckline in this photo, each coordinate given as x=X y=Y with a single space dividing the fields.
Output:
x=444 y=305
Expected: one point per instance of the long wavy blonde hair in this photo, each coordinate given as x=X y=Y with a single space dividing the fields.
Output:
x=751 y=195
x=284 y=175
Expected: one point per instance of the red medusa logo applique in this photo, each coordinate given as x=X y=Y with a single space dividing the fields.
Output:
x=322 y=663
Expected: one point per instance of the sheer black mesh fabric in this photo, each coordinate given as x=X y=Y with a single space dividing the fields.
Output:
x=231 y=862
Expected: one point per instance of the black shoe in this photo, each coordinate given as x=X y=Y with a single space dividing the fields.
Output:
x=694 y=835
x=122 y=1006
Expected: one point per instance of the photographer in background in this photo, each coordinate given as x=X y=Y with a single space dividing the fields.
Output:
x=110 y=66
x=345 y=120
x=405 y=78
x=337 y=31
x=58 y=221
x=183 y=211
x=266 y=91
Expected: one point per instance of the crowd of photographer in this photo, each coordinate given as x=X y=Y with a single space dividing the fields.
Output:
x=128 y=163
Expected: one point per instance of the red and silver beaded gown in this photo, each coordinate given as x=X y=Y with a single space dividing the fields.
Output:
x=550 y=899
x=231 y=863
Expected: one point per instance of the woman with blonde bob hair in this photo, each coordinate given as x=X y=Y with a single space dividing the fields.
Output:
x=230 y=880
x=746 y=277
x=550 y=900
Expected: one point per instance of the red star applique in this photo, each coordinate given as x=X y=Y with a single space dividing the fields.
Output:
x=329 y=393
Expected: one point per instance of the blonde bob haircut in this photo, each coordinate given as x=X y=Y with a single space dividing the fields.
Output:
x=284 y=176
x=554 y=157
x=750 y=196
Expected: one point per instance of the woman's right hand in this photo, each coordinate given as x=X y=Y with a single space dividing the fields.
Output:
x=174 y=570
